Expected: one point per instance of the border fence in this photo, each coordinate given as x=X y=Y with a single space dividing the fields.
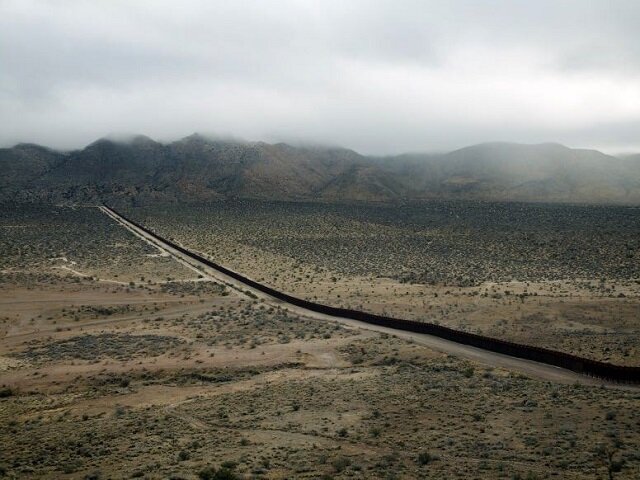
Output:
x=585 y=366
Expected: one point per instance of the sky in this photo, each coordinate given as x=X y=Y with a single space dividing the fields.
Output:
x=381 y=77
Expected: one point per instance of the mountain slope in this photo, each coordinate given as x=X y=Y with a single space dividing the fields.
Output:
x=545 y=172
x=198 y=168
x=24 y=163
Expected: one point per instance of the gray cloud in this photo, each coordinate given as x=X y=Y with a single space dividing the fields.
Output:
x=377 y=76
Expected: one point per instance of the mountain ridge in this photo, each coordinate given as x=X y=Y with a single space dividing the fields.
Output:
x=140 y=169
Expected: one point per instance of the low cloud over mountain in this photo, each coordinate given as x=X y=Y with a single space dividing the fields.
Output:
x=195 y=168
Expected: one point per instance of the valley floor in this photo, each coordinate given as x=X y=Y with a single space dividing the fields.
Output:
x=168 y=385
x=106 y=376
x=565 y=278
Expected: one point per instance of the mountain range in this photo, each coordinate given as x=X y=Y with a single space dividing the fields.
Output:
x=198 y=168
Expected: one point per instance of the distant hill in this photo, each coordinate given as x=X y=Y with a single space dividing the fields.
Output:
x=198 y=168
x=24 y=163
x=545 y=172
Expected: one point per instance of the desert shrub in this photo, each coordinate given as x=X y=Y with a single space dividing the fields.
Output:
x=70 y=467
x=211 y=473
x=424 y=458
x=341 y=463
x=6 y=392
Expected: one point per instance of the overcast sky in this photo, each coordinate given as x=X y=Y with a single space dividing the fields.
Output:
x=377 y=76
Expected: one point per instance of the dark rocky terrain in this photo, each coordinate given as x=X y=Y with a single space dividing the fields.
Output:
x=141 y=170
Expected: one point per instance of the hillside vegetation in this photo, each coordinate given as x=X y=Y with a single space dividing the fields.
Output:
x=141 y=170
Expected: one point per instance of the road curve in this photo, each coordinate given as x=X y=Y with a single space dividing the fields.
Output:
x=527 y=367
